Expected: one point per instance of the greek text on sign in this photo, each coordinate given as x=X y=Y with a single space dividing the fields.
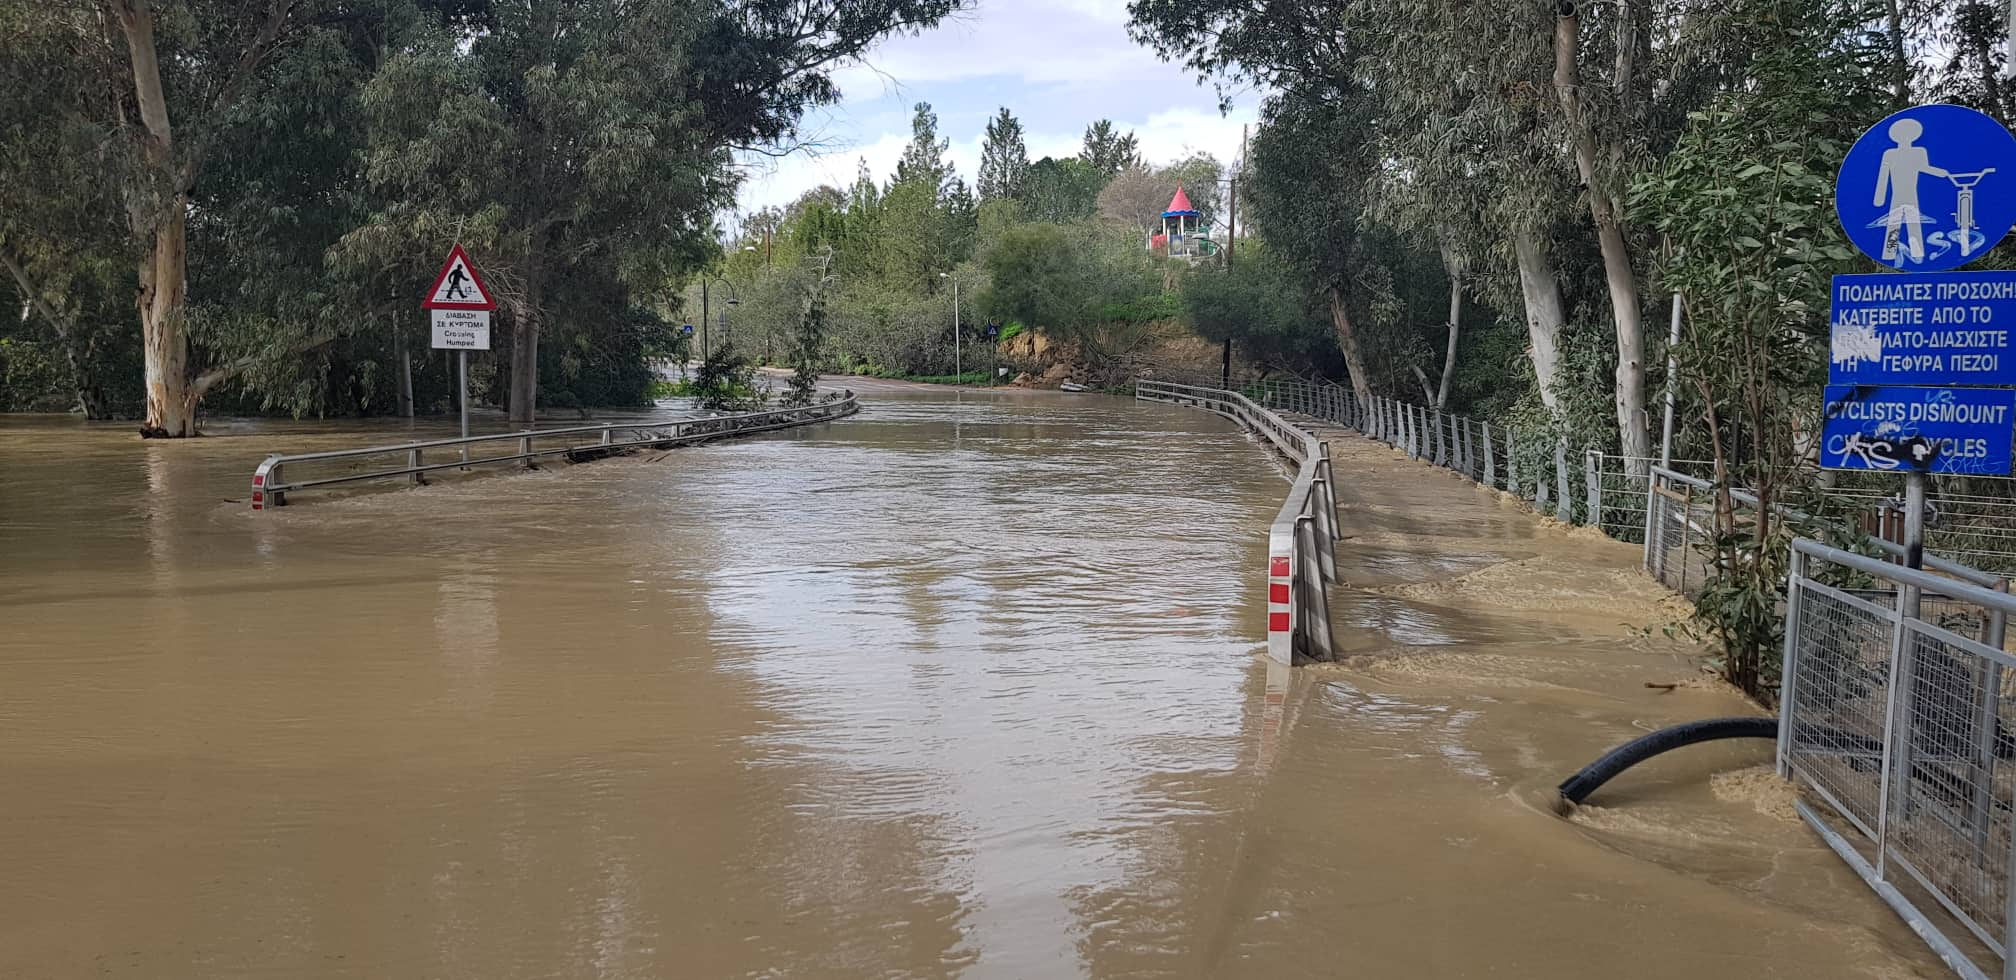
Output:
x=1946 y=329
x=1929 y=188
x=461 y=329
x=1970 y=430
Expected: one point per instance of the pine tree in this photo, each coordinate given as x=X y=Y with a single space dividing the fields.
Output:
x=1004 y=158
x=923 y=160
x=1107 y=151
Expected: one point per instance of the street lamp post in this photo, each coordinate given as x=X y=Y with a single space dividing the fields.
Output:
x=705 y=320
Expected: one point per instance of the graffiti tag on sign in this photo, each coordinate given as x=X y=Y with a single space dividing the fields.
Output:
x=1937 y=430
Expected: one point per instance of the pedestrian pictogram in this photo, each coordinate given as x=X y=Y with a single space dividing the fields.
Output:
x=1929 y=188
x=459 y=286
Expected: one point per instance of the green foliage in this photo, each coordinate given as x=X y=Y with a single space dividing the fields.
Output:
x=1004 y=159
x=1745 y=202
x=1264 y=307
x=1061 y=191
x=726 y=381
x=811 y=338
x=1108 y=151
x=1067 y=279
x=335 y=150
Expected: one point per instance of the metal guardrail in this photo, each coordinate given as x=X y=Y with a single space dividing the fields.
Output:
x=1302 y=541
x=270 y=485
x=1897 y=713
x=1679 y=536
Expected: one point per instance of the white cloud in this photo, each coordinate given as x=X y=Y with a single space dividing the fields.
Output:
x=1059 y=64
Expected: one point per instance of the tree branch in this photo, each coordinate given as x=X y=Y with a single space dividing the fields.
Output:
x=225 y=372
x=35 y=296
x=262 y=44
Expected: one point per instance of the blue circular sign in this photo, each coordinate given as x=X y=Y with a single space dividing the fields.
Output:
x=1930 y=188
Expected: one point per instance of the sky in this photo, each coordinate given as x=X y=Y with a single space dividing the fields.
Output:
x=1058 y=65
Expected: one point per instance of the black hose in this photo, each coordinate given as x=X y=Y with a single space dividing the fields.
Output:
x=1578 y=787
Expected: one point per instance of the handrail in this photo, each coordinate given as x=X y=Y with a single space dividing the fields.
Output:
x=1302 y=540
x=269 y=486
x=1963 y=591
x=1662 y=476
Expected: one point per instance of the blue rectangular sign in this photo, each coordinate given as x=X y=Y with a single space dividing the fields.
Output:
x=1953 y=328
x=1968 y=430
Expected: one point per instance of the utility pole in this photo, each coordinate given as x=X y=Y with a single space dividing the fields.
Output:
x=1232 y=237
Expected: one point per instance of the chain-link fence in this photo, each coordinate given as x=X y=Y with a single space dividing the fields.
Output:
x=1898 y=714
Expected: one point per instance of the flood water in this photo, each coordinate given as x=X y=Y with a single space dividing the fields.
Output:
x=963 y=686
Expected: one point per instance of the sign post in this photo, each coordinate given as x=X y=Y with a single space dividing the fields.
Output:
x=1913 y=358
x=461 y=303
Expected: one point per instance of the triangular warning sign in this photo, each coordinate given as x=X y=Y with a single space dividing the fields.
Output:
x=459 y=286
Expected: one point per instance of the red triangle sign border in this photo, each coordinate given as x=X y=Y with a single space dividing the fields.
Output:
x=485 y=300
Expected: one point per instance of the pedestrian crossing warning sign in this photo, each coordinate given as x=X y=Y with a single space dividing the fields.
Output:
x=459 y=286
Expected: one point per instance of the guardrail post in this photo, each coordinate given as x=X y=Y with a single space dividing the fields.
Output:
x=608 y=434
x=525 y=451
x=1490 y=459
x=413 y=461
x=1592 y=475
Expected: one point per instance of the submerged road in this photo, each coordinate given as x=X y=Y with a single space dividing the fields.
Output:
x=969 y=685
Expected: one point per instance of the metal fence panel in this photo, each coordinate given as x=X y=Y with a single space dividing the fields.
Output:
x=1905 y=729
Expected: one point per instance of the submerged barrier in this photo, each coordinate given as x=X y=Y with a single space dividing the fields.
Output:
x=1302 y=541
x=410 y=461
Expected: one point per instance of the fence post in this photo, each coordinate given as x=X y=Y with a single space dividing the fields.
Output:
x=1564 y=505
x=1655 y=525
x=1592 y=477
x=1540 y=492
x=1417 y=436
x=1512 y=460
x=1788 y=669
x=1490 y=461
x=1895 y=723
x=1469 y=451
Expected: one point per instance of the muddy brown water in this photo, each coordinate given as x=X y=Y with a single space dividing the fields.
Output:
x=961 y=687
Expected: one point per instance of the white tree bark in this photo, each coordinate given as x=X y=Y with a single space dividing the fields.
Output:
x=1347 y=341
x=1457 y=267
x=1541 y=288
x=1634 y=434
x=159 y=218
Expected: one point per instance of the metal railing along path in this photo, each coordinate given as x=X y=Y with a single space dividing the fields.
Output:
x=1680 y=537
x=1302 y=541
x=271 y=484
x=1897 y=714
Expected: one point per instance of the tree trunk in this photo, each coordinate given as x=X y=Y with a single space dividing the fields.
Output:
x=1900 y=64
x=159 y=218
x=1455 y=265
x=1347 y=341
x=1634 y=437
x=1541 y=288
x=171 y=403
x=524 y=391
